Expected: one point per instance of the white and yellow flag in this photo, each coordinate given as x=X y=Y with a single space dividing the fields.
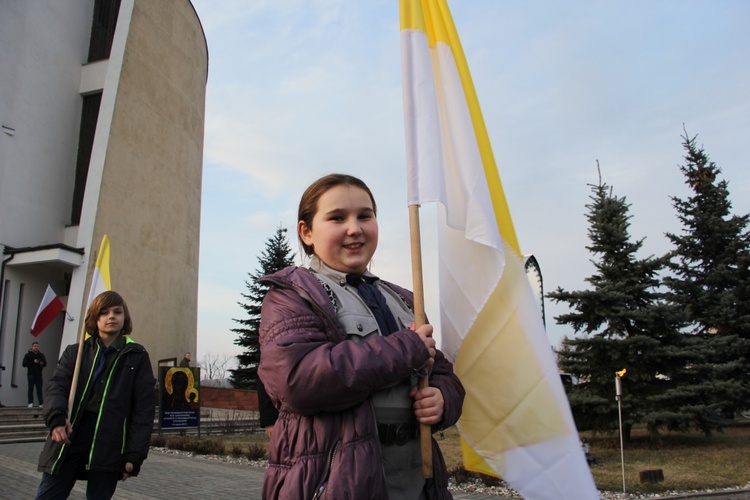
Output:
x=516 y=420
x=100 y=280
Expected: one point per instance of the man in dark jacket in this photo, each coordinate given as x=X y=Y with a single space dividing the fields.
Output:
x=34 y=361
x=185 y=363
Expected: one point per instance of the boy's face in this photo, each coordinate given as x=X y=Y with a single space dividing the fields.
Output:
x=111 y=320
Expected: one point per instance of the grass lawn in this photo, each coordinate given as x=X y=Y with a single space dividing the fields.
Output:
x=689 y=461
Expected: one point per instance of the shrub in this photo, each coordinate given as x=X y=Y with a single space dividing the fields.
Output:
x=175 y=443
x=256 y=451
x=459 y=474
x=200 y=446
x=206 y=446
x=158 y=441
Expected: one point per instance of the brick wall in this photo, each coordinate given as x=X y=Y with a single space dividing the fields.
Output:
x=231 y=399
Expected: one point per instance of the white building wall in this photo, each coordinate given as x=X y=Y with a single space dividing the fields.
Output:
x=43 y=44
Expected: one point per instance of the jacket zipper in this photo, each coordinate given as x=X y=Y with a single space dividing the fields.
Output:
x=324 y=482
x=124 y=435
x=125 y=350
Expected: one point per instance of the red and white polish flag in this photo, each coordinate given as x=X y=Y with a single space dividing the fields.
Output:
x=50 y=307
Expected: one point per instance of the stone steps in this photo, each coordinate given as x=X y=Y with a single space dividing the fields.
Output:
x=19 y=424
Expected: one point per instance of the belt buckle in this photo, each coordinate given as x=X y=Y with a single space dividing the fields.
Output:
x=403 y=434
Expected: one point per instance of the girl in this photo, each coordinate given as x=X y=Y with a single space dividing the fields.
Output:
x=107 y=438
x=341 y=363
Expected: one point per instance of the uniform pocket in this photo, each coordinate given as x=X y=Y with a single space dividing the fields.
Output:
x=358 y=326
x=405 y=318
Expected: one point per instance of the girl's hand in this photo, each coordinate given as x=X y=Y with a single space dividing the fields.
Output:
x=428 y=405
x=62 y=433
x=425 y=334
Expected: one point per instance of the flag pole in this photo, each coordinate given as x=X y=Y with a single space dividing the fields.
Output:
x=76 y=370
x=425 y=432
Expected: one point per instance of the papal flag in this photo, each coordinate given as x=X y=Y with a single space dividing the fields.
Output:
x=516 y=420
x=100 y=281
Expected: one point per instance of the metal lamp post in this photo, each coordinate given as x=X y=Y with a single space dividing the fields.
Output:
x=618 y=396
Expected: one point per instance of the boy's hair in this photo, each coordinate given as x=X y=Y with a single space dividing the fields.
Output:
x=103 y=301
x=308 y=204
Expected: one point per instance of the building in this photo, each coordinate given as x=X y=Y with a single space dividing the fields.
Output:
x=102 y=114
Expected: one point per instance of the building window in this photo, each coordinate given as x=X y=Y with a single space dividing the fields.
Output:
x=89 y=117
x=103 y=29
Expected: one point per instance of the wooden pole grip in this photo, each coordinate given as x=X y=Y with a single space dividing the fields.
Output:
x=425 y=432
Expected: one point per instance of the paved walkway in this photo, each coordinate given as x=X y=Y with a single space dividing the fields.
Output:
x=163 y=477
x=166 y=477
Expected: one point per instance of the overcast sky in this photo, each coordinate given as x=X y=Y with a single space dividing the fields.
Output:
x=298 y=89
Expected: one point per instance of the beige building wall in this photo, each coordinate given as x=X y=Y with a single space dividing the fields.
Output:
x=149 y=198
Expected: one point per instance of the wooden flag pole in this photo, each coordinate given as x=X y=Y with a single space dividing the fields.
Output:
x=76 y=370
x=425 y=432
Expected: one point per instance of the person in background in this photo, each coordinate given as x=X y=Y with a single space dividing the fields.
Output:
x=268 y=412
x=341 y=358
x=34 y=361
x=1 y=404
x=107 y=437
x=185 y=363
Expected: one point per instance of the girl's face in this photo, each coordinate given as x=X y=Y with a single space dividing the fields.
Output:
x=111 y=320
x=344 y=231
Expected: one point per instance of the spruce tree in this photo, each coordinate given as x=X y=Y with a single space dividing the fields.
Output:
x=710 y=286
x=276 y=256
x=619 y=322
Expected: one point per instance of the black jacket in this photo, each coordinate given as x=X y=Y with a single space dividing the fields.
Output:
x=126 y=417
x=34 y=368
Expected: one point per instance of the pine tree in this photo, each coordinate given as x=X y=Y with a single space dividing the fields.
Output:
x=620 y=322
x=276 y=256
x=710 y=285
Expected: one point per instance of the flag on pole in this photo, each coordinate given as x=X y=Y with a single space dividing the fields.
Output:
x=100 y=281
x=516 y=420
x=50 y=307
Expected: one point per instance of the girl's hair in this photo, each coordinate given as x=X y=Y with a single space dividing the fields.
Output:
x=308 y=205
x=103 y=301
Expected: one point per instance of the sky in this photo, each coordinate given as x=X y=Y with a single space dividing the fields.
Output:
x=299 y=89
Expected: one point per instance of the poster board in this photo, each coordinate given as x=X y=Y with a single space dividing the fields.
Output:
x=179 y=397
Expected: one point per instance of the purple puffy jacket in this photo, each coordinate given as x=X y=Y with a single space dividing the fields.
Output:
x=325 y=443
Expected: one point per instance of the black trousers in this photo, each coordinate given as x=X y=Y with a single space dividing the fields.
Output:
x=101 y=485
x=35 y=380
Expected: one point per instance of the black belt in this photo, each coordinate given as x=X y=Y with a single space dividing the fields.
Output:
x=399 y=434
